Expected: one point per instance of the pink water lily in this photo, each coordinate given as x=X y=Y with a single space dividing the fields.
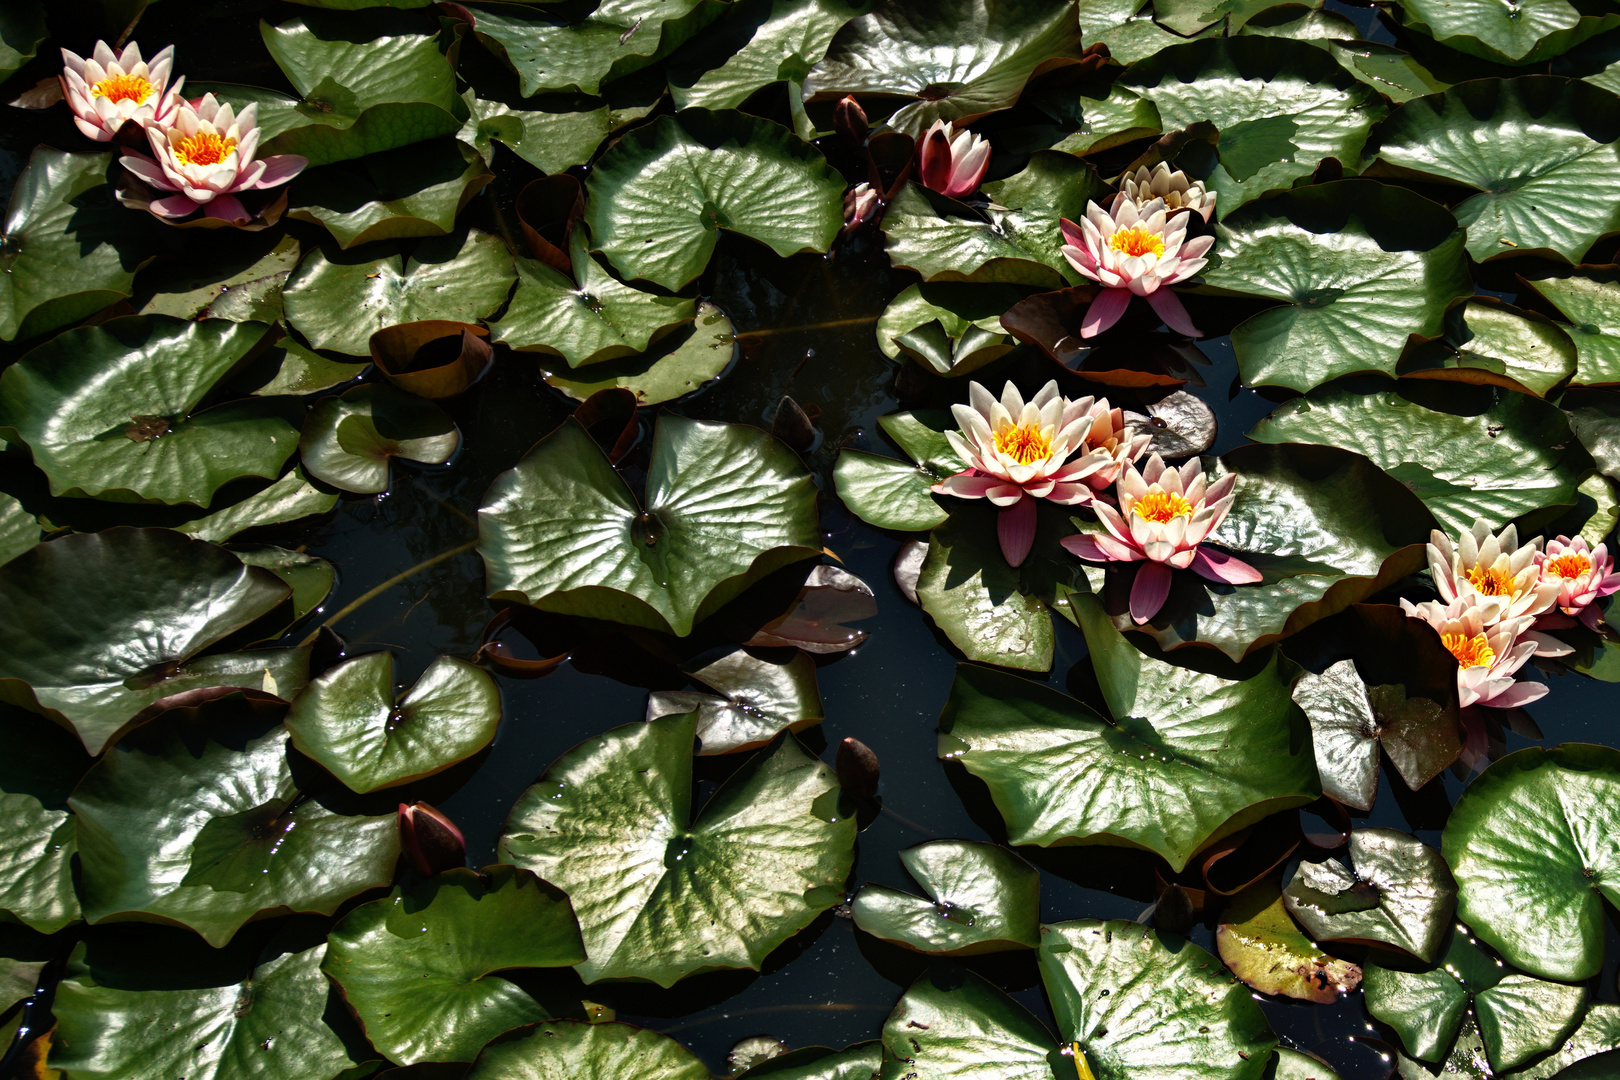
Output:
x=206 y=158
x=1138 y=250
x=1582 y=577
x=861 y=203
x=1494 y=572
x=111 y=89
x=1488 y=653
x=1165 y=514
x=951 y=162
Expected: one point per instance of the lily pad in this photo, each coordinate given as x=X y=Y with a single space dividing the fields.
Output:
x=99 y=629
x=683 y=362
x=778 y=39
x=553 y=140
x=288 y=368
x=1592 y=305
x=37 y=838
x=1588 y=1054
x=1541 y=152
x=564 y=1048
x=108 y=411
x=887 y=492
x=1264 y=948
x=1390 y=71
x=1528 y=32
x=419 y=970
x=755 y=700
x=411 y=191
x=291 y=498
x=1358 y=265
x=236 y=284
x=310 y=577
x=1492 y=342
x=660 y=899
x=337 y=301
x=350 y=720
x=22 y=32
x=1468 y=452
x=982 y=899
x=859 y=1062
x=1162 y=776
x=953 y=1025
x=725 y=505
x=1400 y=895
x=950 y=328
x=204 y=826
x=19 y=530
x=1535 y=847
x=349 y=439
x=592 y=318
x=952 y=60
x=660 y=195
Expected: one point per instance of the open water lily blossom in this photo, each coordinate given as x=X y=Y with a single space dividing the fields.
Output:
x=111 y=89
x=1488 y=653
x=1136 y=250
x=951 y=162
x=206 y=158
x=1493 y=572
x=1164 y=516
x=1582 y=576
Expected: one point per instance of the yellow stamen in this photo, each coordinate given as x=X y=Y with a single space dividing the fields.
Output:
x=1490 y=581
x=1568 y=566
x=1136 y=240
x=116 y=88
x=1161 y=506
x=1470 y=651
x=1025 y=445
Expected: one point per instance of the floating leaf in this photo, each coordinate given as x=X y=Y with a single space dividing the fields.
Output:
x=608 y=1051
x=781 y=39
x=1400 y=895
x=22 y=32
x=289 y=499
x=311 y=578
x=412 y=191
x=982 y=899
x=419 y=970
x=1588 y=1054
x=684 y=362
x=241 y=282
x=1528 y=32
x=1489 y=341
x=887 y=492
x=1264 y=948
x=1388 y=70
x=950 y=328
x=349 y=439
x=814 y=622
x=1592 y=304
x=37 y=839
x=859 y=1062
x=19 y=530
x=758 y=700
x=658 y=898
x=953 y=1024
x=553 y=140
x=289 y=368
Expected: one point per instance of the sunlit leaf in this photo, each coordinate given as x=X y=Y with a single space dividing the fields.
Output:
x=1525 y=33
x=1491 y=342
x=754 y=45
x=1399 y=895
x=754 y=700
x=981 y=898
x=682 y=362
x=1265 y=949
x=349 y=439
x=567 y=1048
x=1592 y=305
x=37 y=837
x=412 y=191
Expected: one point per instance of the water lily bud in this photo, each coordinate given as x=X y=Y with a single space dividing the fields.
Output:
x=951 y=162
x=430 y=839
x=857 y=768
x=849 y=120
x=860 y=204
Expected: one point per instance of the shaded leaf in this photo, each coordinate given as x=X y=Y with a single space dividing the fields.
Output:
x=349 y=439
x=814 y=623
x=291 y=498
x=37 y=837
x=608 y=1051
x=392 y=195
x=1488 y=341
x=1592 y=305
x=683 y=362
x=755 y=700
x=1399 y=895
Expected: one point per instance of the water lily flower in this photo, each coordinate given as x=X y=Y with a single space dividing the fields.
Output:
x=111 y=89
x=1164 y=516
x=849 y=120
x=430 y=839
x=1494 y=573
x=1134 y=251
x=1582 y=576
x=951 y=162
x=206 y=157
x=1174 y=189
x=1488 y=653
x=860 y=204
x=1109 y=438
x=1019 y=451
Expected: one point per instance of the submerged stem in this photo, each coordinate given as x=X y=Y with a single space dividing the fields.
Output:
x=377 y=590
x=772 y=331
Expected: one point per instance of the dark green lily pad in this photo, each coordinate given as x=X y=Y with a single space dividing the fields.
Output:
x=859 y=1062
x=888 y=492
x=107 y=411
x=19 y=530
x=393 y=195
x=288 y=368
x=1104 y=116
x=1468 y=452
x=289 y=499
x=1592 y=305
x=310 y=577
x=1491 y=342
x=1390 y=71
x=1163 y=776
x=592 y=318
x=207 y=828
x=757 y=700
x=982 y=899
x=1128 y=29
x=1590 y=1052
x=781 y=39
x=553 y=140
x=338 y=301
x=1262 y=946
x=352 y=722
x=22 y=32
x=1535 y=847
x=229 y=283
x=950 y=328
x=1400 y=895
x=349 y=439
x=1527 y=32
x=420 y=969
x=726 y=504
x=953 y=59
x=954 y=1025
x=660 y=195
x=1393 y=262
x=683 y=362
x=1295 y=1065
x=564 y=1048
x=37 y=838
x=1541 y=152
x=97 y=629
x=658 y=898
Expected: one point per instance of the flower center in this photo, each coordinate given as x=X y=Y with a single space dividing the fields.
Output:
x=204 y=148
x=1136 y=241
x=1569 y=566
x=1470 y=651
x=116 y=88
x=1024 y=444
x=1490 y=581
x=1161 y=506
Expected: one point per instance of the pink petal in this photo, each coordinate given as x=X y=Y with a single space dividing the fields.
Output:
x=1219 y=566
x=966 y=485
x=174 y=206
x=1167 y=305
x=1520 y=693
x=1084 y=546
x=1105 y=311
x=279 y=169
x=1015 y=528
x=1149 y=591
x=228 y=208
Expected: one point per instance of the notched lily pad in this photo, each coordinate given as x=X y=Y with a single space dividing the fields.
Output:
x=982 y=899
x=683 y=362
x=1264 y=948
x=412 y=191
x=1489 y=341
x=607 y=1051
x=349 y=439
x=41 y=765
x=1591 y=303
x=291 y=498
x=754 y=700
x=947 y=327
x=1399 y=896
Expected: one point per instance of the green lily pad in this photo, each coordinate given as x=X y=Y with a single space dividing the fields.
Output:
x=1400 y=895
x=1519 y=1017
x=1015 y=240
x=232 y=283
x=1128 y=29
x=660 y=195
x=349 y=439
x=1172 y=1012
x=1588 y=1054
x=1188 y=17
x=68 y=248
x=1060 y=774
x=22 y=32
x=1358 y=265
x=1281 y=106
x=1468 y=452
x=350 y=720
x=392 y=195
x=950 y=328
x=683 y=362
x=287 y=368
x=420 y=969
x=1262 y=946
x=859 y=1062
x=1492 y=342
x=1390 y=71
x=1592 y=305
x=1528 y=32
x=203 y=825
x=565 y=1048
x=982 y=899
x=108 y=411
x=19 y=530
x=781 y=39
x=660 y=899
x=311 y=578
x=1104 y=117
x=887 y=492
x=368 y=82
x=553 y=141
x=291 y=498
x=37 y=837
x=1535 y=847
x=954 y=1025
x=726 y=504
x=97 y=629
x=757 y=700
x=271 y=1017
x=951 y=60
x=592 y=318
x=1295 y=1065
x=337 y=301
x=1541 y=152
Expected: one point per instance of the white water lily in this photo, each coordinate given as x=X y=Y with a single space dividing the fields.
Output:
x=206 y=157
x=1134 y=251
x=112 y=89
x=1493 y=572
x=1173 y=188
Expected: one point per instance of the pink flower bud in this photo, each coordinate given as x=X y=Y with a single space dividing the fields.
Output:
x=951 y=162
x=849 y=120
x=432 y=840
